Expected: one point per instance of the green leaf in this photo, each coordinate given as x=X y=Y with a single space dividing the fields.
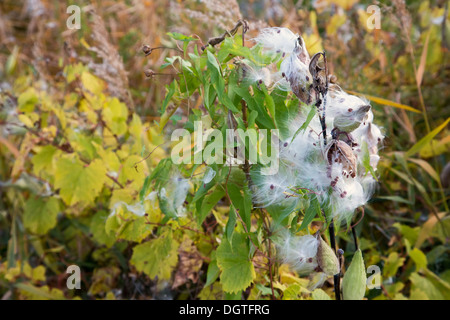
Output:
x=309 y=117
x=234 y=262
x=134 y=230
x=393 y=262
x=214 y=67
x=79 y=183
x=395 y=199
x=282 y=113
x=312 y=211
x=407 y=232
x=256 y=104
x=43 y=160
x=42 y=293
x=426 y=286
x=366 y=160
x=269 y=101
x=41 y=214
x=426 y=140
x=219 y=83
x=209 y=202
x=213 y=271
x=233 y=296
x=230 y=46
x=231 y=224
x=419 y=258
x=442 y=285
x=98 y=231
x=157 y=257
x=319 y=294
x=241 y=201
x=28 y=100
x=170 y=92
x=180 y=37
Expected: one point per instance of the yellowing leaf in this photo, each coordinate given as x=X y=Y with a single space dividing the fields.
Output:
x=135 y=170
x=27 y=100
x=319 y=294
x=234 y=262
x=336 y=21
x=92 y=83
x=40 y=214
x=393 y=262
x=419 y=258
x=98 y=229
x=427 y=167
x=313 y=42
x=35 y=274
x=136 y=127
x=115 y=114
x=426 y=286
x=344 y=4
x=426 y=140
x=442 y=285
x=11 y=63
x=385 y=102
x=427 y=228
x=135 y=229
x=79 y=183
x=435 y=147
x=157 y=257
x=423 y=61
x=40 y=293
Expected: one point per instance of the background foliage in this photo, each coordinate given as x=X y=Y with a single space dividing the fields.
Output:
x=78 y=116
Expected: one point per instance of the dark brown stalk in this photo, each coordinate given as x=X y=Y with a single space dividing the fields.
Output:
x=337 y=277
x=232 y=32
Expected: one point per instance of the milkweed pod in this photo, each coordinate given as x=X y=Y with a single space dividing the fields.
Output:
x=354 y=282
x=327 y=259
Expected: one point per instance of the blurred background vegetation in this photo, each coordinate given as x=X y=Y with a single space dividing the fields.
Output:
x=406 y=226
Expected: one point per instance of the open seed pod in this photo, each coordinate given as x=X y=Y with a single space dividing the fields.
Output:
x=340 y=152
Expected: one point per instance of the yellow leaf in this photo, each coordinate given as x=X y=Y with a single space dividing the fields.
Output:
x=427 y=228
x=428 y=168
x=435 y=148
x=336 y=21
x=313 y=43
x=426 y=140
x=385 y=102
x=423 y=61
x=92 y=83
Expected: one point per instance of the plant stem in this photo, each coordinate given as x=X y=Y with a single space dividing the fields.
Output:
x=355 y=238
x=270 y=269
x=337 y=277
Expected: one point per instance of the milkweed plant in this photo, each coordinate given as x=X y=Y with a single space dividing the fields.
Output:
x=255 y=99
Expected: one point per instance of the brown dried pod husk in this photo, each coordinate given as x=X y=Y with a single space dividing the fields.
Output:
x=149 y=73
x=317 y=68
x=341 y=152
x=147 y=49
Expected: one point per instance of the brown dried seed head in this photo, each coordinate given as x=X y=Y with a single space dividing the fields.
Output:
x=332 y=78
x=147 y=49
x=149 y=73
